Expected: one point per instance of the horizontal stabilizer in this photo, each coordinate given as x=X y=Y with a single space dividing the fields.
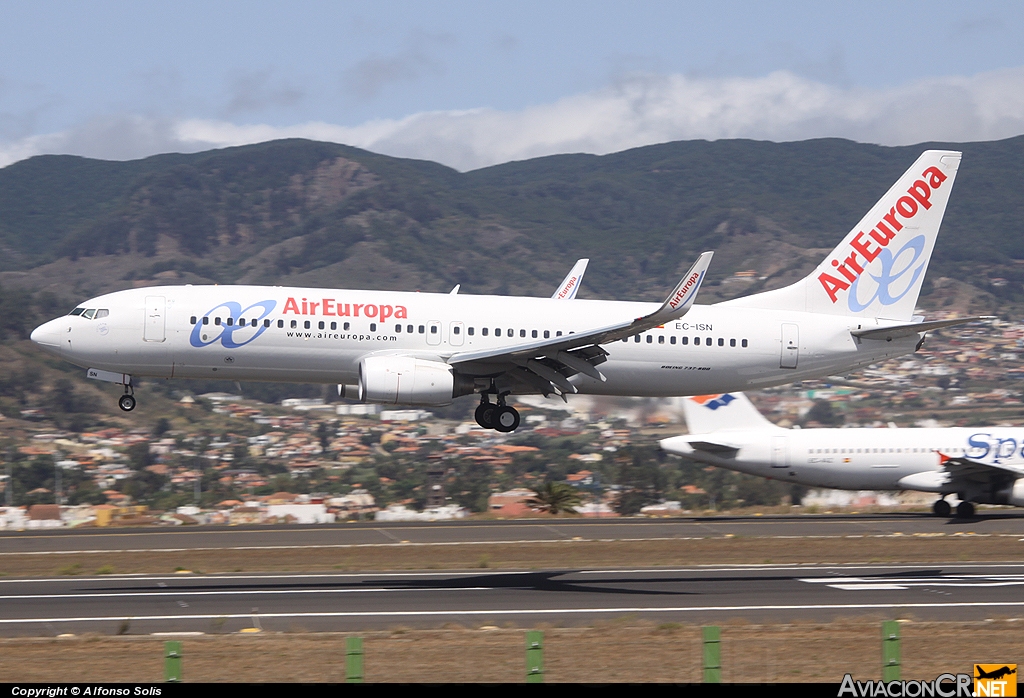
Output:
x=899 y=331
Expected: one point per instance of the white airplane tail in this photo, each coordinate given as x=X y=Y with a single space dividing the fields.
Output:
x=878 y=268
x=729 y=412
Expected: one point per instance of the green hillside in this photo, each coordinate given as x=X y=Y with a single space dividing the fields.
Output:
x=322 y=214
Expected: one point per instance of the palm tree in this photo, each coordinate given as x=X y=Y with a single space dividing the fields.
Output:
x=555 y=497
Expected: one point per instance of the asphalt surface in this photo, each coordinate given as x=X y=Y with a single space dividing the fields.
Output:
x=352 y=602
x=1000 y=521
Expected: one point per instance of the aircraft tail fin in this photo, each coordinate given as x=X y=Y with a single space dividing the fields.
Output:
x=879 y=267
x=728 y=412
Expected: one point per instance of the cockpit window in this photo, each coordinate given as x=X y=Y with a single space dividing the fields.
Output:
x=90 y=313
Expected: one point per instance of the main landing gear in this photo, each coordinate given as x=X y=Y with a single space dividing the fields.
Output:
x=500 y=417
x=964 y=510
x=127 y=401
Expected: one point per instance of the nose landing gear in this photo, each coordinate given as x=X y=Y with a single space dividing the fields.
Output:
x=127 y=401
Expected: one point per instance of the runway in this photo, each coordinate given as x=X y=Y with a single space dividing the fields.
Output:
x=996 y=522
x=352 y=602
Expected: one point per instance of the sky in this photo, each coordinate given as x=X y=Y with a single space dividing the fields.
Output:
x=473 y=84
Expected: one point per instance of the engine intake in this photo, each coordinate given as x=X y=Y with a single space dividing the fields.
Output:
x=403 y=380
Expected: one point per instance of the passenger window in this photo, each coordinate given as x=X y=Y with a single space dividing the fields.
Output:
x=433 y=329
x=216 y=321
x=534 y=334
x=456 y=330
x=266 y=323
x=373 y=327
x=497 y=331
x=346 y=325
x=334 y=325
x=661 y=339
x=636 y=338
x=305 y=325
x=294 y=324
x=231 y=321
x=685 y=340
x=470 y=331
x=321 y=325
x=672 y=340
x=547 y=334
x=522 y=333
x=744 y=342
x=650 y=339
x=721 y=342
x=192 y=320
x=558 y=333
x=708 y=341
x=206 y=320
x=732 y=342
x=398 y=329
x=422 y=329
x=483 y=331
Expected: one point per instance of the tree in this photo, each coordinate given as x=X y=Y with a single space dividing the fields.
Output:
x=555 y=498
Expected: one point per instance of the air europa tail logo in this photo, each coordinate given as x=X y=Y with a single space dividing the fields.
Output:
x=866 y=248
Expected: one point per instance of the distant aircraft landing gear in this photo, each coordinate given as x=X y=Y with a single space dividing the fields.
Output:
x=500 y=417
x=127 y=401
x=941 y=508
x=965 y=510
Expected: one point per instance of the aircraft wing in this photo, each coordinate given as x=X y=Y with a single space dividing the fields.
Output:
x=899 y=331
x=566 y=290
x=968 y=470
x=547 y=364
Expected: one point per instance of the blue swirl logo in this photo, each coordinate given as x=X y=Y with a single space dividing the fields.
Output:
x=234 y=335
x=887 y=277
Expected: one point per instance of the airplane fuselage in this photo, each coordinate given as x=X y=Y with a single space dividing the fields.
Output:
x=317 y=335
x=862 y=459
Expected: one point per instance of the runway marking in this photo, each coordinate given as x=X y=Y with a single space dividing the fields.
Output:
x=175 y=592
x=529 y=612
x=874 y=584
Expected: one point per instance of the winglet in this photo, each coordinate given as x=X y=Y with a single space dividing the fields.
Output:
x=566 y=291
x=685 y=292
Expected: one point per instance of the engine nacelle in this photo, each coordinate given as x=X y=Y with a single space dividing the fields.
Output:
x=1013 y=495
x=403 y=380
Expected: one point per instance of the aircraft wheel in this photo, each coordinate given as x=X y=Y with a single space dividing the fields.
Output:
x=506 y=419
x=941 y=508
x=485 y=415
x=965 y=510
x=126 y=403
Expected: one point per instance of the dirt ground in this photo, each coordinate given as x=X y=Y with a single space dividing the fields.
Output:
x=561 y=555
x=624 y=650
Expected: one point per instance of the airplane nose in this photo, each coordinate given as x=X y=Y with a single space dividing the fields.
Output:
x=48 y=336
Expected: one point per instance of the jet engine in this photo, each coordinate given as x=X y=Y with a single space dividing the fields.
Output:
x=1014 y=494
x=403 y=380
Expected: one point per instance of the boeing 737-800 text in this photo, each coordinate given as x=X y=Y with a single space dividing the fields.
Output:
x=983 y=465
x=855 y=309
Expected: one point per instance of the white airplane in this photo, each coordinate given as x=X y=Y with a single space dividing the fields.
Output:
x=391 y=347
x=983 y=465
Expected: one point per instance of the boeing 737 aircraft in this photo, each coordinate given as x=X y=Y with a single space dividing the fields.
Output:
x=390 y=347
x=983 y=465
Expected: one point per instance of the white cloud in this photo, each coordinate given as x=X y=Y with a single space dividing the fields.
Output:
x=636 y=111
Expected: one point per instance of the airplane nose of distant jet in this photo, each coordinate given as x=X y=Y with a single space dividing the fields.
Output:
x=48 y=336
